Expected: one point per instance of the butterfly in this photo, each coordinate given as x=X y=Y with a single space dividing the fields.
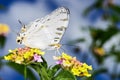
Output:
x=45 y=33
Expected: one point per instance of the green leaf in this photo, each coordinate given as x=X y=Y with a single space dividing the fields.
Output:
x=114 y=17
x=44 y=73
x=44 y=63
x=115 y=8
x=79 y=40
x=41 y=69
x=2 y=41
x=103 y=35
x=99 y=58
x=115 y=53
x=20 y=68
x=1 y=64
x=2 y=6
x=65 y=75
x=97 y=4
x=53 y=70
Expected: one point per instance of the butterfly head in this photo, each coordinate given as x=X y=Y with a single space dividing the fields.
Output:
x=20 y=38
x=23 y=29
x=21 y=35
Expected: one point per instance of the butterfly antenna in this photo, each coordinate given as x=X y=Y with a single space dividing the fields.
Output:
x=70 y=45
x=21 y=22
x=76 y=47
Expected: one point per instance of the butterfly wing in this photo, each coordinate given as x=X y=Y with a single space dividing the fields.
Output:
x=48 y=30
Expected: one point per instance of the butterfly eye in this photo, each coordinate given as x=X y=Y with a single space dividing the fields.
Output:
x=18 y=41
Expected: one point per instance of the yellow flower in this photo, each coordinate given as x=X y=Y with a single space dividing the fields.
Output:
x=4 y=29
x=86 y=66
x=10 y=51
x=65 y=56
x=87 y=74
x=19 y=60
x=27 y=55
x=73 y=65
x=84 y=70
x=75 y=71
x=66 y=63
x=99 y=51
x=39 y=52
x=7 y=57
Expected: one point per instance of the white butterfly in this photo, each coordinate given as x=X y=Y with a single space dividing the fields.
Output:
x=46 y=32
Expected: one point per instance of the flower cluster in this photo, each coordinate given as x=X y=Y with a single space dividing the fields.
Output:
x=4 y=29
x=24 y=55
x=73 y=65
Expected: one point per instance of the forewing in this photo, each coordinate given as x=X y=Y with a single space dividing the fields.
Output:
x=48 y=30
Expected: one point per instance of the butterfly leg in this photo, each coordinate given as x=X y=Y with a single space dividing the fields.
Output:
x=62 y=49
x=55 y=53
x=58 y=51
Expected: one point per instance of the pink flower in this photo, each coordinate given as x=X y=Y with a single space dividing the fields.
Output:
x=59 y=62
x=37 y=58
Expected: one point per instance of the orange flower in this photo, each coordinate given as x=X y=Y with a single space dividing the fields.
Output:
x=99 y=51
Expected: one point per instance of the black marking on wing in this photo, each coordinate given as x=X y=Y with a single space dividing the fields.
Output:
x=38 y=20
x=48 y=19
x=58 y=33
x=64 y=19
x=56 y=38
x=36 y=25
x=62 y=28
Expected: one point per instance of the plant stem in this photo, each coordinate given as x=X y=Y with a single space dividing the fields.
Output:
x=43 y=73
x=25 y=72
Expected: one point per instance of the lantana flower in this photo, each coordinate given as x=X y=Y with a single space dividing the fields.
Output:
x=72 y=64
x=24 y=55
